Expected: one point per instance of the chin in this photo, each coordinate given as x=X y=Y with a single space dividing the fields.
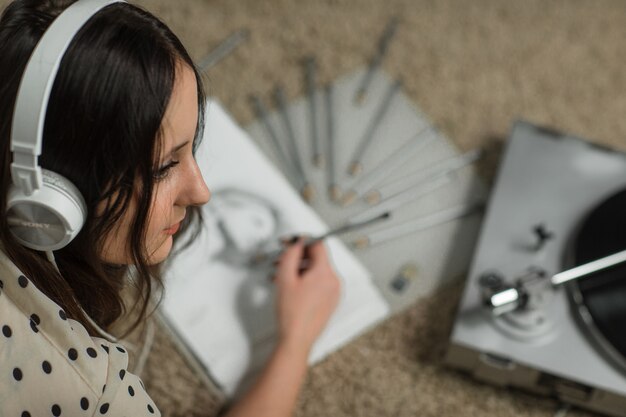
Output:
x=162 y=252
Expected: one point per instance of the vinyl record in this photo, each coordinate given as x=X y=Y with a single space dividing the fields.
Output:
x=601 y=297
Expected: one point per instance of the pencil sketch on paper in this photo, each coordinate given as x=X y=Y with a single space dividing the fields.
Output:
x=223 y=305
x=244 y=223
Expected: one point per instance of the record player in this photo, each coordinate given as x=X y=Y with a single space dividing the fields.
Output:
x=544 y=307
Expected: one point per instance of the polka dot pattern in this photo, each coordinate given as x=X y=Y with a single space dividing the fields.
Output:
x=56 y=371
x=47 y=368
x=84 y=403
x=22 y=281
x=72 y=354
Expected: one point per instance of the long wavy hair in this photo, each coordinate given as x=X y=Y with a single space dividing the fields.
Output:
x=102 y=131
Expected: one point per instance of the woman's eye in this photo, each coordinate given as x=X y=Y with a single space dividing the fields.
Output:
x=164 y=170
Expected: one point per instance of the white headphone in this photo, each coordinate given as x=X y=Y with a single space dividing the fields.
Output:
x=45 y=210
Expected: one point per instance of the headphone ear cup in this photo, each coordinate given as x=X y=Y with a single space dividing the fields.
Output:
x=49 y=218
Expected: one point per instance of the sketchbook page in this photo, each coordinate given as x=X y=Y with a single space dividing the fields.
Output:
x=221 y=304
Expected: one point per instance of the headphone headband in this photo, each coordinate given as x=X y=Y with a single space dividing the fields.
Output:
x=34 y=91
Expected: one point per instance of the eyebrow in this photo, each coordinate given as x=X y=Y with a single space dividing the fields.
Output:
x=179 y=147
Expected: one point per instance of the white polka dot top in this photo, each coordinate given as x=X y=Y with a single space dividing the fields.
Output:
x=51 y=366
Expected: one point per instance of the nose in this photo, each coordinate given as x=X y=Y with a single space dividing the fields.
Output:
x=197 y=193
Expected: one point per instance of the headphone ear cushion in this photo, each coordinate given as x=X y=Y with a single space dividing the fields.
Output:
x=49 y=218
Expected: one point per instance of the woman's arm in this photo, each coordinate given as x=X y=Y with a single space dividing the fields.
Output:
x=305 y=302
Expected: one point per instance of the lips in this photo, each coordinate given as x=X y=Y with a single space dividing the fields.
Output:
x=173 y=229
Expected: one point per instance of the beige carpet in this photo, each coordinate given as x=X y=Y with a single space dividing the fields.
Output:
x=473 y=67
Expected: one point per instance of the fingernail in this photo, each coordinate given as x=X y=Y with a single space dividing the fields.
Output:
x=289 y=240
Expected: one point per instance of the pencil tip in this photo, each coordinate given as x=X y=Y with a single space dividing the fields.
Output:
x=360 y=243
x=348 y=198
x=308 y=193
x=373 y=197
x=359 y=97
x=318 y=161
x=355 y=168
x=334 y=193
x=409 y=270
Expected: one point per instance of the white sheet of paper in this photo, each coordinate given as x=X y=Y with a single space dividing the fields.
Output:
x=222 y=307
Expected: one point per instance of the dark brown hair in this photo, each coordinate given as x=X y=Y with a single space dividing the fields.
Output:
x=102 y=131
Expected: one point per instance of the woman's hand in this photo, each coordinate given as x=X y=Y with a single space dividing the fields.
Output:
x=307 y=296
x=306 y=299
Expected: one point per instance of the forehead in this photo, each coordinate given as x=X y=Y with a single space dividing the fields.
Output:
x=181 y=114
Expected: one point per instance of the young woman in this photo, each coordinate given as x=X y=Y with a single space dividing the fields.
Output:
x=122 y=123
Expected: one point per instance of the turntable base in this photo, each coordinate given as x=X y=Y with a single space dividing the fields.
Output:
x=555 y=204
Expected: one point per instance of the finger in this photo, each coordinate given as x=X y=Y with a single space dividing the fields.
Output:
x=290 y=260
x=316 y=252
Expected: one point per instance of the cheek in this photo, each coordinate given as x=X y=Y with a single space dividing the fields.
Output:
x=116 y=248
x=160 y=215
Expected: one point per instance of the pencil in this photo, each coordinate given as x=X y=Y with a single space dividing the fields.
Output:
x=387 y=166
x=413 y=194
x=307 y=189
x=310 y=70
x=356 y=165
x=347 y=227
x=383 y=46
x=438 y=169
x=223 y=49
x=261 y=112
x=416 y=225
x=334 y=193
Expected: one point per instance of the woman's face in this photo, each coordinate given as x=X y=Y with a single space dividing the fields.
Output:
x=179 y=185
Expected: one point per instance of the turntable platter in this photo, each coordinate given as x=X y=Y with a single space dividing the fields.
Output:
x=600 y=298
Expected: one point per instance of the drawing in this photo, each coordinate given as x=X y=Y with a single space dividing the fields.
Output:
x=243 y=224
